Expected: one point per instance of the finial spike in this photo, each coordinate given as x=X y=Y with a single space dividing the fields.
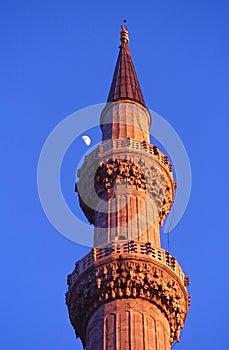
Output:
x=124 y=37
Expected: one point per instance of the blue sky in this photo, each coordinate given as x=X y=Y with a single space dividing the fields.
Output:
x=58 y=57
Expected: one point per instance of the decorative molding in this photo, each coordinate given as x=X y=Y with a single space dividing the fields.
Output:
x=143 y=175
x=118 y=171
x=126 y=278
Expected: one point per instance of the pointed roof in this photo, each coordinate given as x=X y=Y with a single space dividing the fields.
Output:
x=125 y=83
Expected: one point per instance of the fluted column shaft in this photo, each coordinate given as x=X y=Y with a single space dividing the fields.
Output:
x=128 y=325
x=127 y=215
x=123 y=120
x=125 y=212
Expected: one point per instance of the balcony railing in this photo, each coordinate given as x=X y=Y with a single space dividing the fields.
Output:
x=116 y=144
x=131 y=247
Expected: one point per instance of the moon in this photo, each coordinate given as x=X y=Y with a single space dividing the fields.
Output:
x=86 y=140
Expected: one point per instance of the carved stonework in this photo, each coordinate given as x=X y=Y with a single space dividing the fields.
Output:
x=127 y=279
x=150 y=179
x=143 y=175
x=118 y=171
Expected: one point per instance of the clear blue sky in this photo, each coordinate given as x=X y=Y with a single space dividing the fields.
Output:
x=58 y=57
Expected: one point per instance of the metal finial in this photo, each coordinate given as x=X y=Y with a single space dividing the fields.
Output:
x=124 y=37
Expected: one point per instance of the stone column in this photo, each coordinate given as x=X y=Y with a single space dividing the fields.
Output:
x=128 y=324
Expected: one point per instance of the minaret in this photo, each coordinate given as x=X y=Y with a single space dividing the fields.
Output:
x=128 y=292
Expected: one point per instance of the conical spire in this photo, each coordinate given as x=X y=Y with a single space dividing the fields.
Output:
x=125 y=83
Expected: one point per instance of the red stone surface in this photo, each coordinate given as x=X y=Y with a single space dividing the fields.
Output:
x=127 y=293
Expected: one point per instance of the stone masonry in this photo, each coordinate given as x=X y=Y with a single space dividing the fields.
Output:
x=128 y=292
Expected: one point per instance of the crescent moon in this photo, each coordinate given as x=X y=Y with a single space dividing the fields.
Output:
x=86 y=140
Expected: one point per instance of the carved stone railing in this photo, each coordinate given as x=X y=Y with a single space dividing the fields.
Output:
x=131 y=247
x=119 y=145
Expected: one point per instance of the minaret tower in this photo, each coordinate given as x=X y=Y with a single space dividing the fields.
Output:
x=128 y=292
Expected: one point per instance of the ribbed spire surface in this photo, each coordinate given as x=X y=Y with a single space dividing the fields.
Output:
x=125 y=83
